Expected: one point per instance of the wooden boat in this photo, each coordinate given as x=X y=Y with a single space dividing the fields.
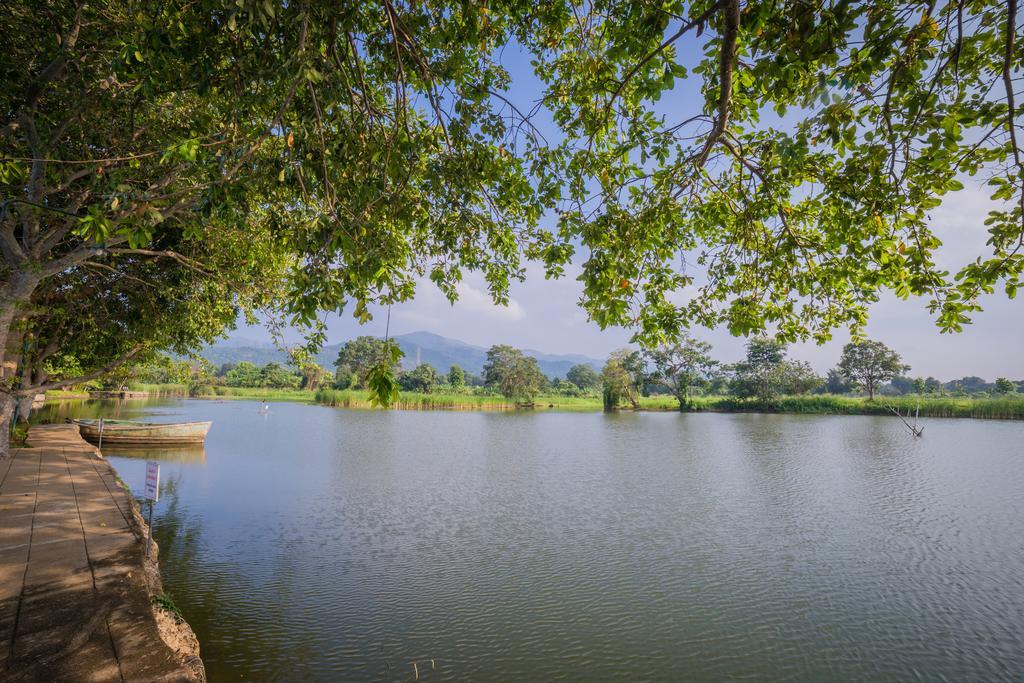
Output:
x=120 y=432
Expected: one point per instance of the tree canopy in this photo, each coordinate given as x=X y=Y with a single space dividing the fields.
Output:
x=869 y=363
x=333 y=153
x=456 y=377
x=619 y=379
x=682 y=366
x=517 y=376
x=423 y=378
x=357 y=357
x=583 y=376
x=800 y=188
x=766 y=372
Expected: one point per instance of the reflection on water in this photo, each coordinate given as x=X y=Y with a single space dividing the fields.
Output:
x=114 y=409
x=189 y=453
x=321 y=544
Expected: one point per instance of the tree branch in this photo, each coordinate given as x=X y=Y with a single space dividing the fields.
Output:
x=109 y=367
x=661 y=48
x=727 y=62
x=1011 y=32
x=167 y=253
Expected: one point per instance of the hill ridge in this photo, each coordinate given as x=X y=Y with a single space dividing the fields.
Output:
x=440 y=351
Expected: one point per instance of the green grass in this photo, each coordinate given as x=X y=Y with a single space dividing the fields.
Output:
x=211 y=391
x=160 y=389
x=63 y=394
x=1008 y=408
x=1001 y=408
x=411 y=400
x=256 y=394
x=165 y=601
x=19 y=436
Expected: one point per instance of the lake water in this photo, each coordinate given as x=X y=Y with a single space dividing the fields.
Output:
x=322 y=544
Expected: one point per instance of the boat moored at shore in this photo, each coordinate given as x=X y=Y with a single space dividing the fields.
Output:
x=123 y=432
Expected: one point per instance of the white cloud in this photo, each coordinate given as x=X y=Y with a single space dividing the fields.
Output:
x=544 y=314
x=473 y=300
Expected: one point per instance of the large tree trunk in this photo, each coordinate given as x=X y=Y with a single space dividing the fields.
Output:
x=25 y=408
x=7 y=403
x=14 y=295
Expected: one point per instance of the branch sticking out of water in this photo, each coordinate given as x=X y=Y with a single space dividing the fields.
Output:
x=914 y=429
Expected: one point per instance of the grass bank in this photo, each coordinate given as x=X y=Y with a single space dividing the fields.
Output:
x=65 y=394
x=412 y=400
x=999 y=408
x=210 y=391
x=1009 y=408
x=996 y=408
x=242 y=393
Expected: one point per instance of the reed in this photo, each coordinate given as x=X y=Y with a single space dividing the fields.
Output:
x=160 y=389
x=254 y=393
x=1009 y=407
x=214 y=391
x=998 y=408
x=412 y=400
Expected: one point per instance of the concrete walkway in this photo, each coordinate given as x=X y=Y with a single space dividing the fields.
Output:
x=74 y=602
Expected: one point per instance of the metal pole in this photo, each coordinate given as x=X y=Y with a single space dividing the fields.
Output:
x=149 y=533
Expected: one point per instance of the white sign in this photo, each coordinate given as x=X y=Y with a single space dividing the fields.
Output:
x=152 y=491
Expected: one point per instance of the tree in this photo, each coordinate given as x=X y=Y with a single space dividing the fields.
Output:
x=719 y=382
x=340 y=151
x=422 y=378
x=618 y=383
x=903 y=385
x=970 y=385
x=800 y=220
x=358 y=356
x=1005 y=386
x=337 y=155
x=518 y=377
x=635 y=365
x=456 y=377
x=244 y=374
x=919 y=385
x=681 y=367
x=343 y=378
x=762 y=375
x=800 y=378
x=583 y=376
x=201 y=377
x=311 y=373
x=275 y=376
x=932 y=386
x=869 y=363
x=162 y=369
x=835 y=383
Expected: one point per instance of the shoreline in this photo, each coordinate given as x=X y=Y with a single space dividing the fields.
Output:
x=77 y=595
x=1010 y=407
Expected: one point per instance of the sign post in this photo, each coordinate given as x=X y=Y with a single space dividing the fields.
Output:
x=152 y=494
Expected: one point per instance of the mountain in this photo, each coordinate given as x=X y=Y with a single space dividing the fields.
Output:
x=426 y=347
x=228 y=351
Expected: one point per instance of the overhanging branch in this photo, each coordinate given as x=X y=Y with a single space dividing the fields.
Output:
x=106 y=369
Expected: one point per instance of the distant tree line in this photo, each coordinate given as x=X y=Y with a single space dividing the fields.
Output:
x=687 y=368
x=507 y=371
x=199 y=374
x=682 y=370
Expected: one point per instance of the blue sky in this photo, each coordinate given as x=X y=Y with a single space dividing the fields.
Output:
x=544 y=315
